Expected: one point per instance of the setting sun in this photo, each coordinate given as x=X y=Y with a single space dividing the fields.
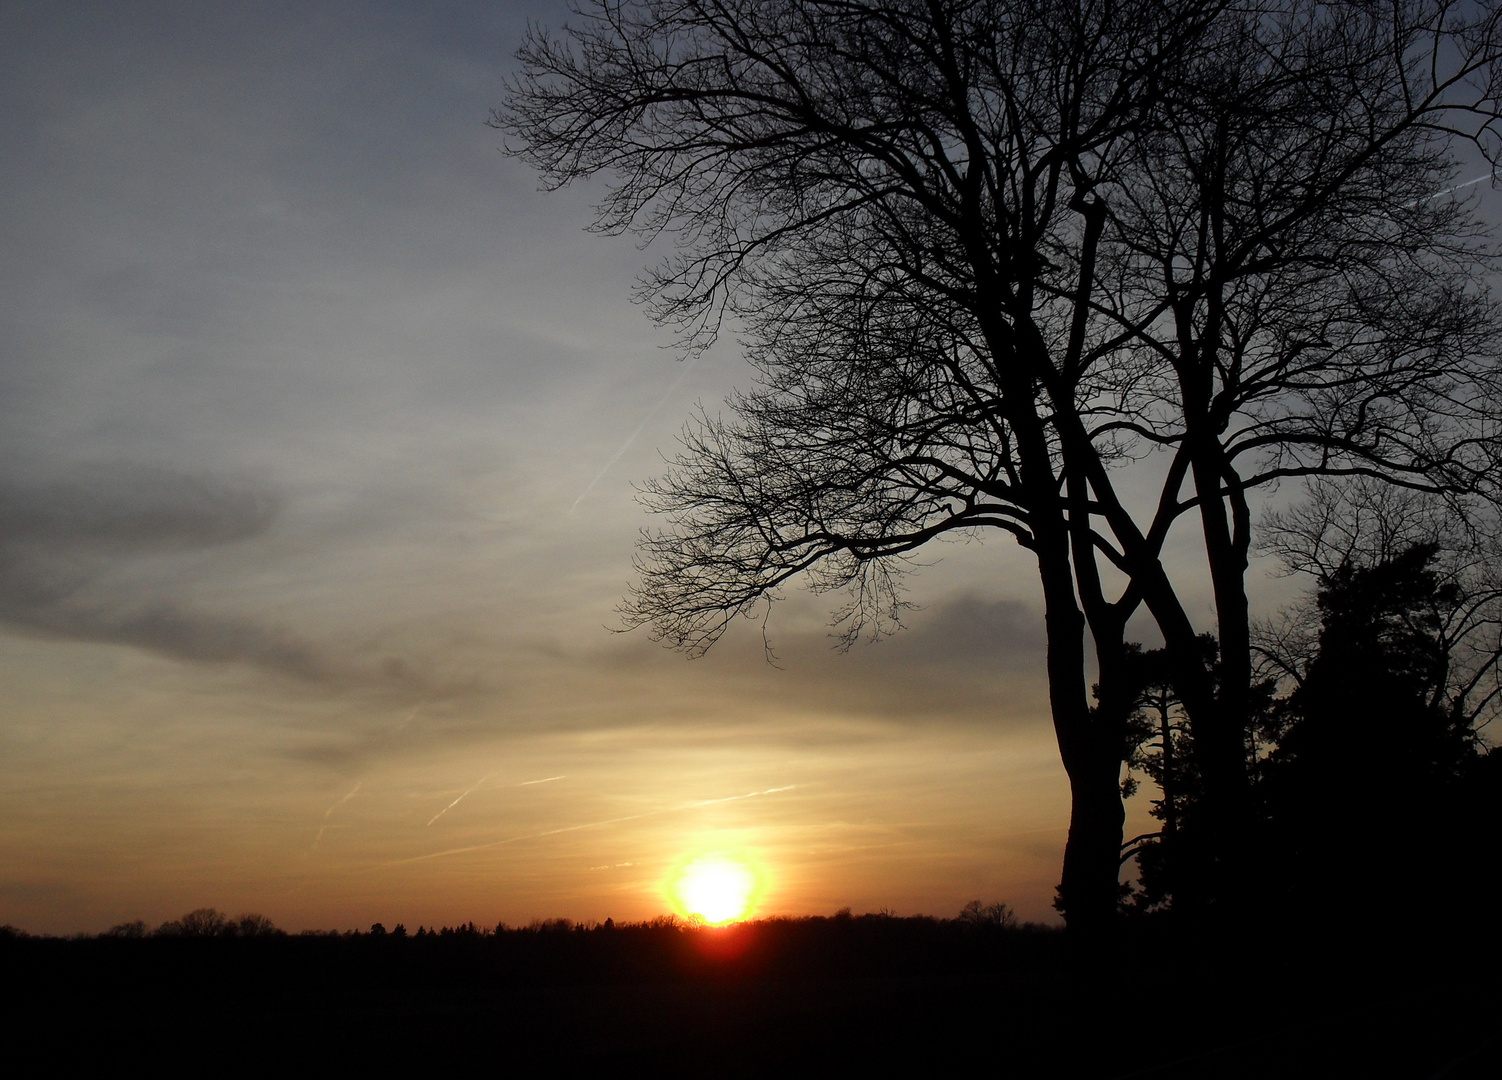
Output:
x=716 y=888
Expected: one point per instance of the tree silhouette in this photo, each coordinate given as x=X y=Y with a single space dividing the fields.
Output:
x=1368 y=723
x=1071 y=271
x=136 y=928
x=252 y=924
x=1372 y=756
x=1357 y=528
x=198 y=923
x=1160 y=745
x=210 y=922
x=976 y=913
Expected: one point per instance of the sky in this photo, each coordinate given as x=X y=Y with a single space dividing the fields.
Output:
x=319 y=425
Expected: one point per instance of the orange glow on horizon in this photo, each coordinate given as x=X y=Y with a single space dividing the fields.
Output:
x=716 y=888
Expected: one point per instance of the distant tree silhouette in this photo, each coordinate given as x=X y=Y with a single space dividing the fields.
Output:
x=211 y=922
x=978 y=914
x=134 y=929
x=253 y=925
x=1000 y=265
x=199 y=923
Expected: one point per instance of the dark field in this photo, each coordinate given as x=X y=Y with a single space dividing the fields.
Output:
x=839 y=996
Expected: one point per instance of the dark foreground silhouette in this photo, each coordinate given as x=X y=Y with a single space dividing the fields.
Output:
x=870 y=994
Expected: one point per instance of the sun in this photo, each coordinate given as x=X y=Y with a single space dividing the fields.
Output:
x=716 y=888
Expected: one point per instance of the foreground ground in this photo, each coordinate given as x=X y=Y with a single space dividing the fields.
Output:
x=872 y=995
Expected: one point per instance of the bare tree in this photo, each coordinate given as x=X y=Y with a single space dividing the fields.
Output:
x=198 y=923
x=254 y=924
x=998 y=915
x=1003 y=263
x=136 y=928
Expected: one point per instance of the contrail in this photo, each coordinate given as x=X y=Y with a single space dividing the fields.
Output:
x=424 y=703
x=350 y=795
x=588 y=825
x=411 y=716
x=456 y=802
x=477 y=783
x=688 y=366
x=1448 y=190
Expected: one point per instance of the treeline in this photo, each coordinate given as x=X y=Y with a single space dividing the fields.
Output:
x=976 y=918
x=372 y=968
x=827 y=993
x=841 y=994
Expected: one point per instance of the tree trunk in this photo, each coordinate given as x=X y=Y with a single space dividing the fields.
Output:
x=1090 y=745
x=1220 y=737
x=1089 y=892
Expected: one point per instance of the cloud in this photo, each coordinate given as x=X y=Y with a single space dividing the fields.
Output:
x=171 y=630
x=968 y=629
x=67 y=544
x=966 y=659
x=121 y=508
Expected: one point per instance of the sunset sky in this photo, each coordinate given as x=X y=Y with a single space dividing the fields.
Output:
x=320 y=427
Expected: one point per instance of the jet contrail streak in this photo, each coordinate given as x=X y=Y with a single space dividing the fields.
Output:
x=687 y=367
x=477 y=783
x=1448 y=190
x=348 y=796
x=456 y=802
x=588 y=825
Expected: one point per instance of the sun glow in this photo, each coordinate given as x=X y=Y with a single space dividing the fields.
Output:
x=716 y=888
